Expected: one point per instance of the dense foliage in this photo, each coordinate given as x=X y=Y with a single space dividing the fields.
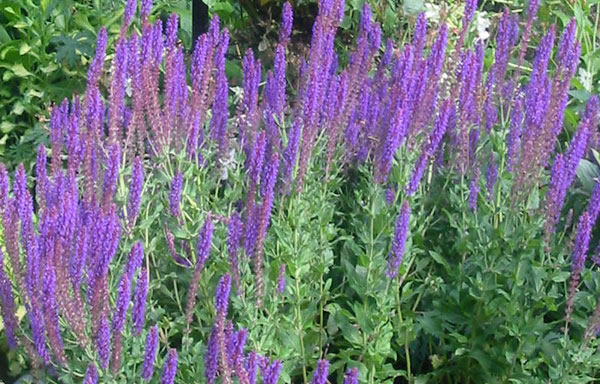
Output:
x=405 y=215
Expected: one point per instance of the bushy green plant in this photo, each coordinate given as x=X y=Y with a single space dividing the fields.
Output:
x=400 y=216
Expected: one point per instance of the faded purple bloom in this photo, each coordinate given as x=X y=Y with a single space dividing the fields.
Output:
x=320 y=375
x=211 y=357
x=135 y=191
x=286 y=23
x=175 y=194
x=139 y=302
x=150 y=354
x=91 y=375
x=390 y=195
x=351 y=376
x=398 y=243
x=281 y=279
x=170 y=368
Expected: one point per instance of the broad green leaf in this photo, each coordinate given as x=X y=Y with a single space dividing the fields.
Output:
x=20 y=71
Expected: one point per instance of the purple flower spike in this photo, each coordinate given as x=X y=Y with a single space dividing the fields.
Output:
x=103 y=343
x=281 y=279
x=3 y=187
x=202 y=253
x=130 y=8
x=222 y=295
x=351 y=376
x=7 y=305
x=139 y=302
x=286 y=23
x=150 y=355
x=145 y=9
x=400 y=234
x=211 y=357
x=320 y=375
x=474 y=190
x=91 y=375
x=175 y=194
x=135 y=191
x=271 y=374
x=170 y=368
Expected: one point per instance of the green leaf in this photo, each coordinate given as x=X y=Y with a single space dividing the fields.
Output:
x=587 y=173
x=20 y=71
x=413 y=7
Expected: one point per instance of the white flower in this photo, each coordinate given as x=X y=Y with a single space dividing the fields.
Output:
x=585 y=77
x=482 y=23
x=432 y=12
x=227 y=164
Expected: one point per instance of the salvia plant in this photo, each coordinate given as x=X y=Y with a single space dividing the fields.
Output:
x=396 y=218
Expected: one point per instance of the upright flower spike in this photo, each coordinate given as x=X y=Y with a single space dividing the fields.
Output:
x=320 y=375
x=103 y=343
x=211 y=357
x=150 y=354
x=271 y=374
x=271 y=171
x=221 y=304
x=145 y=9
x=286 y=23
x=170 y=368
x=202 y=253
x=128 y=14
x=7 y=306
x=491 y=176
x=580 y=249
x=175 y=194
x=290 y=154
x=91 y=375
x=111 y=174
x=281 y=279
x=117 y=91
x=139 y=302
x=234 y=232
x=398 y=243
x=474 y=190
x=135 y=191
